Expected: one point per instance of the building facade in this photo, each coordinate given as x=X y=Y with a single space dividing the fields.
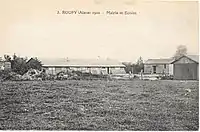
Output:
x=158 y=66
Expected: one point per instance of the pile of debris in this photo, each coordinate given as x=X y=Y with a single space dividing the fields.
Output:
x=78 y=75
x=32 y=74
x=122 y=77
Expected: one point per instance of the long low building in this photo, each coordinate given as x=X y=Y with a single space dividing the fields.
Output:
x=96 y=66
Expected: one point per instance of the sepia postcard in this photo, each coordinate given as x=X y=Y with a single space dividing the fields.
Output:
x=99 y=65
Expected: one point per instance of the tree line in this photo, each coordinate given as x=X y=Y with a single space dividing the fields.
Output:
x=21 y=65
x=134 y=68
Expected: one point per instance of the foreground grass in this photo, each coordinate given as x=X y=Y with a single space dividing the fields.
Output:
x=99 y=105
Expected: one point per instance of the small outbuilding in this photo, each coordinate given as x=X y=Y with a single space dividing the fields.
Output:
x=5 y=65
x=186 y=67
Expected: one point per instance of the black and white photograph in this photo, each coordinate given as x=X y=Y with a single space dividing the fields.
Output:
x=99 y=65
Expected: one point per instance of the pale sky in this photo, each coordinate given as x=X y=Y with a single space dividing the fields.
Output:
x=32 y=28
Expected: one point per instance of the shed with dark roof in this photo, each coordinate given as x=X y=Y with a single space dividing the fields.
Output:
x=186 y=67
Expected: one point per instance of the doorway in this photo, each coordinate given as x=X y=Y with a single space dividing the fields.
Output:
x=154 y=69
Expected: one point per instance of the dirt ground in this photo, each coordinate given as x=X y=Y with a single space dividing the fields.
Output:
x=99 y=105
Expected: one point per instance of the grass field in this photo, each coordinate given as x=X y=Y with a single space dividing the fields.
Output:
x=99 y=105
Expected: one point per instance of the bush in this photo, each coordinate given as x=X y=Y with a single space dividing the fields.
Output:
x=12 y=76
x=167 y=77
x=4 y=73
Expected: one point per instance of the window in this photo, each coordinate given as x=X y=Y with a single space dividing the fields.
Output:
x=165 y=66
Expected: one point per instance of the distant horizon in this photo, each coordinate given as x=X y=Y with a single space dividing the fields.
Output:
x=101 y=58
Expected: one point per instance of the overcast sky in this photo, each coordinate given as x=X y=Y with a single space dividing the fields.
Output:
x=32 y=28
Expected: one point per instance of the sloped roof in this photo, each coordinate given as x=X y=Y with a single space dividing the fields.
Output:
x=159 y=61
x=192 y=57
x=63 y=62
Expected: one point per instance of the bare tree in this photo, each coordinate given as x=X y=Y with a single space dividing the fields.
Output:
x=7 y=58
